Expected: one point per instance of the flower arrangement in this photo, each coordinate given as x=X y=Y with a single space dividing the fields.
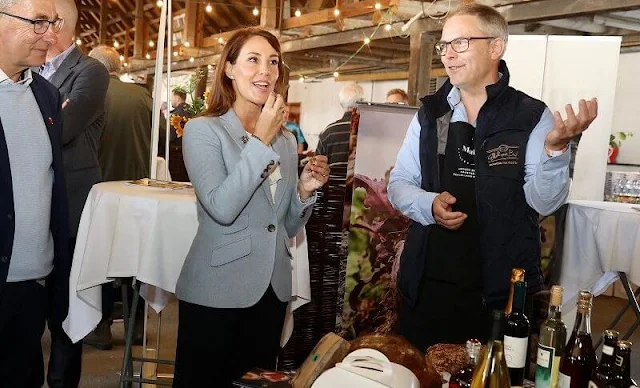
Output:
x=615 y=141
x=198 y=103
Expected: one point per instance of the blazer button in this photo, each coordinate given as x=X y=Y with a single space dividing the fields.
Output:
x=271 y=228
x=4 y=259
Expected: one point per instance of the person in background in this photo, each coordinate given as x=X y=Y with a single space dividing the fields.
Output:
x=82 y=82
x=294 y=128
x=334 y=140
x=479 y=162
x=34 y=222
x=236 y=281
x=397 y=96
x=179 y=103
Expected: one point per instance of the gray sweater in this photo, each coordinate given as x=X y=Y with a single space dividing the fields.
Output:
x=30 y=159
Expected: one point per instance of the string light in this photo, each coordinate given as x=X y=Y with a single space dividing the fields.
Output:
x=121 y=58
x=186 y=44
x=151 y=44
x=79 y=42
x=209 y=67
x=221 y=40
x=148 y=56
x=387 y=27
x=378 y=6
x=336 y=74
x=367 y=40
x=208 y=8
x=175 y=53
x=116 y=44
x=256 y=11
x=160 y=3
x=298 y=13
x=192 y=59
x=125 y=64
x=336 y=12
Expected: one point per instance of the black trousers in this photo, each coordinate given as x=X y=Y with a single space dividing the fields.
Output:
x=23 y=310
x=65 y=359
x=216 y=345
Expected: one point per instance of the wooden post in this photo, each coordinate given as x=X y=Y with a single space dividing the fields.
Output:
x=421 y=45
x=103 y=22
x=190 y=22
x=127 y=42
x=140 y=32
x=201 y=87
x=269 y=14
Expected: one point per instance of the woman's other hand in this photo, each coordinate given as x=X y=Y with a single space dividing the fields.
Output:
x=314 y=175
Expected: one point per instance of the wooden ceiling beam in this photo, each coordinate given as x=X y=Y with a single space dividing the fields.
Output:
x=346 y=11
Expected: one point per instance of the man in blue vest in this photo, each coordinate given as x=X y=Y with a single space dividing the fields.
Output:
x=480 y=161
x=34 y=225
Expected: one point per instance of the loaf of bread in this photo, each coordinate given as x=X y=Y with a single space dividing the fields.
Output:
x=447 y=357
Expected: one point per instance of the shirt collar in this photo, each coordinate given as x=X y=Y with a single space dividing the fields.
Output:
x=58 y=59
x=26 y=78
x=454 y=98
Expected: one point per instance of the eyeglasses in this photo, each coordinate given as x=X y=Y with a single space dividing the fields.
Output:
x=40 y=26
x=458 y=45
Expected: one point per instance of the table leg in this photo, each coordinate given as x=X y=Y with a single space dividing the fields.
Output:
x=633 y=302
x=129 y=324
x=622 y=312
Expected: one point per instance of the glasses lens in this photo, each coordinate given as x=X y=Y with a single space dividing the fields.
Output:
x=40 y=26
x=460 y=45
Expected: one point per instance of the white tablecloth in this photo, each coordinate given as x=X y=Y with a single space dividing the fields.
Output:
x=601 y=238
x=144 y=232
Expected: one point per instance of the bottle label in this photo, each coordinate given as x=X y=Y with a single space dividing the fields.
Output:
x=515 y=351
x=608 y=350
x=548 y=367
x=564 y=381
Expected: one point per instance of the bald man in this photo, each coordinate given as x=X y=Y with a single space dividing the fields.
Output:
x=83 y=83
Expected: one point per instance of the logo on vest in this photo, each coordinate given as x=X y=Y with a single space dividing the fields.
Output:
x=503 y=154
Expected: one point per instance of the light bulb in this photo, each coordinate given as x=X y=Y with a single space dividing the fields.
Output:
x=298 y=13
x=256 y=11
x=208 y=8
x=121 y=57
x=125 y=64
x=192 y=59
x=79 y=42
x=378 y=6
x=187 y=44
x=336 y=12
x=336 y=74
x=209 y=67
x=151 y=44
x=387 y=27
x=220 y=40
x=116 y=44
x=367 y=40
x=175 y=53
x=148 y=56
x=160 y=3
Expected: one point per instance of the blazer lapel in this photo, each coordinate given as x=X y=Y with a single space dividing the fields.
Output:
x=234 y=128
x=281 y=146
x=66 y=67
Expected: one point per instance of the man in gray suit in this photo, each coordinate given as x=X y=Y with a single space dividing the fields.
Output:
x=83 y=83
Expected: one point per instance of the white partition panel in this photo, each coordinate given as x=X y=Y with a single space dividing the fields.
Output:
x=525 y=57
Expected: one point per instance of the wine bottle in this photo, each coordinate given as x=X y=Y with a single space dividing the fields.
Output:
x=579 y=359
x=553 y=336
x=516 y=336
x=603 y=374
x=492 y=371
x=462 y=378
x=517 y=275
x=621 y=369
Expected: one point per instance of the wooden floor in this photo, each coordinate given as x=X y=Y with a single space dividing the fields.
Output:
x=101 y=369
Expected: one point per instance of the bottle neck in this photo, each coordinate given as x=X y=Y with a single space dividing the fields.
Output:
x=555 y=312
x=583 y=321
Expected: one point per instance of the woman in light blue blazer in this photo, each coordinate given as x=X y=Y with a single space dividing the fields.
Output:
x=236 y=281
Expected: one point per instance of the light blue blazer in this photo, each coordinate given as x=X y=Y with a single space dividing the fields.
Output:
x=241 y=245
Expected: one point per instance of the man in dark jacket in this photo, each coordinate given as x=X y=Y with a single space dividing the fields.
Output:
x=480 y=161
x=34 y=225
